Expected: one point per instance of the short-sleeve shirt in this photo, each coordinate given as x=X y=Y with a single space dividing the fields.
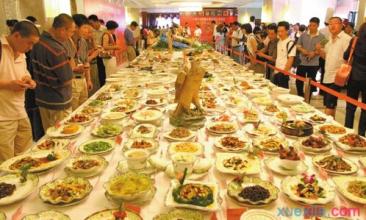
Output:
x=334 y=51
x=11 y=102
x=129 y=39
x=283 y=52
x=309 y=43
x=271 y=49
x=77 y=50
x=237 y=34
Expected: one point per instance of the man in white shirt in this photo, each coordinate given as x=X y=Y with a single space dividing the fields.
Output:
x=15 y=129
x=198 y=33
x=236 y=37
x=286 y=51
x=252 y=22
x=333 y=55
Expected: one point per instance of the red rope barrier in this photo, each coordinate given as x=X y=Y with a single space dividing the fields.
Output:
x=313 y=83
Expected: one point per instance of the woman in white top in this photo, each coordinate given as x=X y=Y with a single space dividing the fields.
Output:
x=198 y=33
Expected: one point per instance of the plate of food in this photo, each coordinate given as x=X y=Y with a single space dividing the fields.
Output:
x=132 y=93
x=180 y=134
x=107 y=130
x=38 y=160
x=113 y=117
x=222 y=118
x=316 y=118
x=194 y=148
x=115 y=87
x=193 y=195
x=82 y=119
x=288 y=162
x=14 y=187
x=308 y=189
x=86 y=166
x=197 y=170
x=249 y=116
x=352 y=142
x=129 y=186
x=66 y=191
x=156 y=102
x=105 y=96
x=96 y=103
x=144 y=131
x=258 y=214
x=142 y=143
x=65 y=131
x=124 y=108
x=254 y=93
x=335 y=164
x=252 y=191
x=288 y=99
x=234 y=163
x=332 y=129
x=91 y=110
x=297 y=128
x=271 y=109
x=97 y=146
x=222 y=127
x=50 y=144
x=236 y=101
x=181 y=214
x=232 y=143
x=352 y=187
x=157 y=92
x=270 y=144
x=261 y=129
x=48 y=214
x=112 y=214
x=146 y=115
x=302 y=108
x=265 y=100
x=315 y=144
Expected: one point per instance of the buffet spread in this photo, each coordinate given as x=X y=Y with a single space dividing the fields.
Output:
x=259 y=148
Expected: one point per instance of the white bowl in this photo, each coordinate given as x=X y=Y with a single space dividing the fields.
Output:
x=112 y=117
x=289 y=164
x=136 y=158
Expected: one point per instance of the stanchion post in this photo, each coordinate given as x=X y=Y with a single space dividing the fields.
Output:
x=307 y=90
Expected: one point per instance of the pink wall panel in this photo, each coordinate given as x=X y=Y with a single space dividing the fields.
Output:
x=109 y=11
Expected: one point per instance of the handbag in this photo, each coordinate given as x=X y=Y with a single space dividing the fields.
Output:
x=344 y=71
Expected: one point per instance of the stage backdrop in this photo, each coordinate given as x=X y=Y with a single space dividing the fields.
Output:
x=109 y=11
x=204 y=18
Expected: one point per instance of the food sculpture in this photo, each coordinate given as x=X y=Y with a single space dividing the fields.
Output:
x=187 y=88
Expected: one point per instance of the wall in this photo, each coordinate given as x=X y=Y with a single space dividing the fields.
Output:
x=34 y=8
x=245 y=13
x=109 y=11
x=132 y=14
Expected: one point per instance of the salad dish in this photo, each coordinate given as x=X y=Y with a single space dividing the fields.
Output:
x=97 y=146
x=308 y=189
x=107 y=130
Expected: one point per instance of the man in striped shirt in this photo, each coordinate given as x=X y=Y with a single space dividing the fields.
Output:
x=52 y=71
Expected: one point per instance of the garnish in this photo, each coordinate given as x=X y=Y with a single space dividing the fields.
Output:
x=24 y=172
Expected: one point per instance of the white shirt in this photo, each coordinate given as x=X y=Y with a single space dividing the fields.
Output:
x=236 y=34
x=11 y=102
x=251 y=38
x=253 y=25
x=282 y=52
x=214 y=30
x=334 y=50
x=198 y=32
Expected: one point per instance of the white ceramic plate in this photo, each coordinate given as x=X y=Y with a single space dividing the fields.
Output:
x=342 y=182
x=273 y=163
x=108 y=141
x=194 y=148
x=258 y=214
x=354 y=167
x=219 y=145
x=252 y=165
x=170 y=138
x=233 y=127
x=21 y=191
x=57 y=132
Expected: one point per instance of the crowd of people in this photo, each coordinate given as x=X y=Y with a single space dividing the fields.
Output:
x=304 y=49
x=45 y=76
x=55 y=71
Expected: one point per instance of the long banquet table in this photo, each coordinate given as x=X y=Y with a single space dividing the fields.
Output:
x=97 y=201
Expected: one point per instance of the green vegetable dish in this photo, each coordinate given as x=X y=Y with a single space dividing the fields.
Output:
x=108 y=130
x=96 y=147
x=96 y=103
x=193 y=194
